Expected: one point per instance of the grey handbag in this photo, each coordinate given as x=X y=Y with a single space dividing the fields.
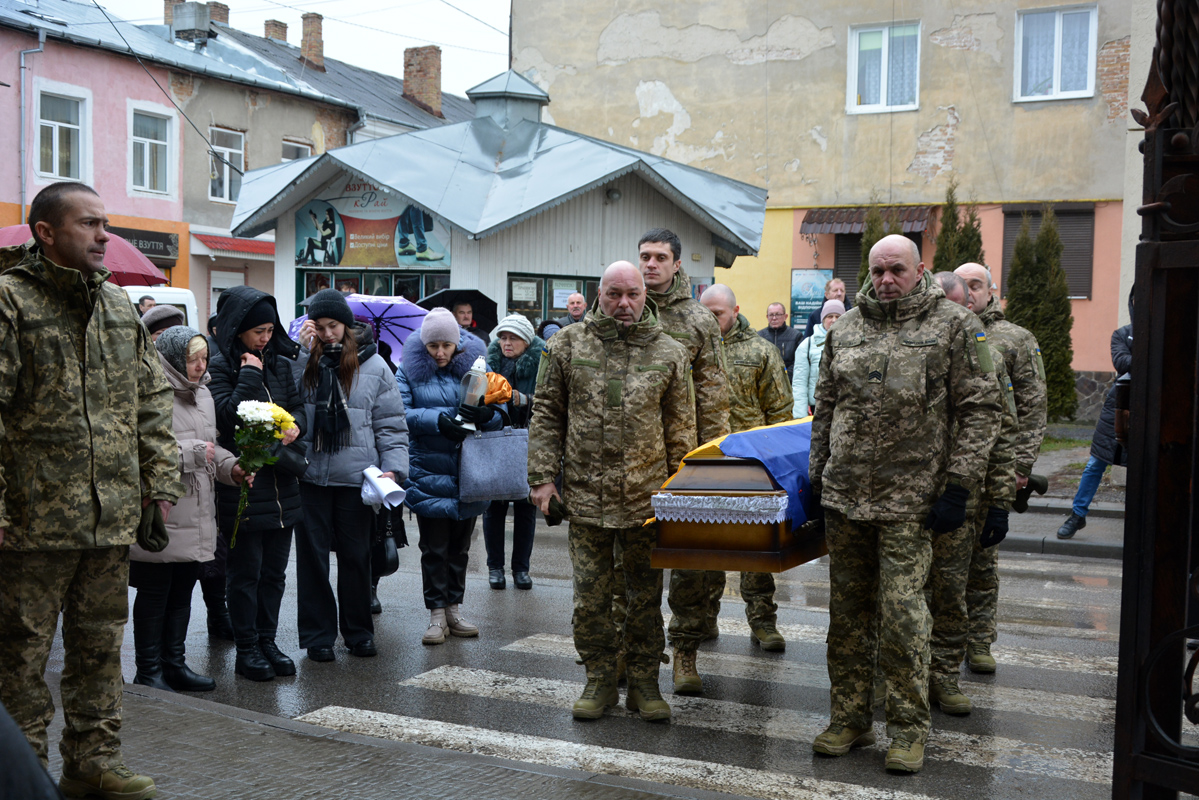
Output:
x=494 y=465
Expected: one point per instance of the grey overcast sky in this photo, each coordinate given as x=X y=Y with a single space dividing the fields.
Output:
x=472 y=34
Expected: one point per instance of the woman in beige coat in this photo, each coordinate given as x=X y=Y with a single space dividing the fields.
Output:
x=165 y=580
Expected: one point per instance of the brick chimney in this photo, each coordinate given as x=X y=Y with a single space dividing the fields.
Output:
x=168 y=11
x=312 y=46
x=276 y=30
x=422 y=78
x=218 y=12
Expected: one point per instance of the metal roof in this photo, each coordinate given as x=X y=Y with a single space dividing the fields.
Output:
x=848 y=219
x=482 y=178
x=230 y=244
x=508 y=84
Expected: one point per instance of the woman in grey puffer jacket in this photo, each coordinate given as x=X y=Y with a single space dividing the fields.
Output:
x=357 y=421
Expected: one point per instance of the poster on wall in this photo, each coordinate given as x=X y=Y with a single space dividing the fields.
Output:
x=354 y=224
x=807 y=293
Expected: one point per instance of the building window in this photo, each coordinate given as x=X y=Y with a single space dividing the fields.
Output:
x=541 y=297
x=1075 y=226
x=149 y=152
x=884 y=68
x=294 y=152
x=227 y=162
x=1055 y=55
x=59 y=136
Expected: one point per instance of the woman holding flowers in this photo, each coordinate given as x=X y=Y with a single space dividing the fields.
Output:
x=356 y=420
x=254 y=363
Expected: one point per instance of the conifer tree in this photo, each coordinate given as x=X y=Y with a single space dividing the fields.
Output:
x=875 y=227
x=947 y=259
x=970 y=238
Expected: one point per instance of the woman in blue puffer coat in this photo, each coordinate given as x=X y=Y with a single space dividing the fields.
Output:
x=435 y=359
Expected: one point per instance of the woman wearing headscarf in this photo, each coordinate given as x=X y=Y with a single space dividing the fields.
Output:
x=515 y=353
x=435 y=359
x=255 y=363
x=356 y=420
x=165 y=580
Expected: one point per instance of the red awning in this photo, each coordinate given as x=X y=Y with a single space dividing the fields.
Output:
x=853 y=219
x=231 y=244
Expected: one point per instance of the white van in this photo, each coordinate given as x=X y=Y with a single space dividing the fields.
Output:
x=182 y=299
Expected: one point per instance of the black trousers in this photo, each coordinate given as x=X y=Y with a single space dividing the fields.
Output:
x=162 y=588
x=524 y=522
x=444 y=549
x=255 y=576
x=335 y=519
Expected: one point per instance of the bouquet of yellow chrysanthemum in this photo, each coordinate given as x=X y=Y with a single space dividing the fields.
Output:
x=261 y=424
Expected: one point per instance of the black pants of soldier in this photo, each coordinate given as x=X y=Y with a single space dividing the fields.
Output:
x=335 y=520
x=444 y=550
x=90 y=587
x=23 y=776
x=982 y=593
x=596 y=634
x=255 y=577
x=946 y=594
x=877 y=611
x=524 y=522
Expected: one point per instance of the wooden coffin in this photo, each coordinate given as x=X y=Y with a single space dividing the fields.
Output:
x=731 y=546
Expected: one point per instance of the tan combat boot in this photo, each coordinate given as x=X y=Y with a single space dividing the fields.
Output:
x=644 y=696
x=599 y=694
x=944 y=691
x=837 y=740
x=905 y=756
x=686 y=676
x=979 y=658
x=768 y=637
x=114 y=783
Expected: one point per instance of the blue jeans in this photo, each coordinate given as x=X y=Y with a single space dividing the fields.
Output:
x=1088 y=485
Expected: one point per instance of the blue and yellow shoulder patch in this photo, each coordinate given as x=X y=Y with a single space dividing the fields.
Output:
x=983 y=351
x=980 y=336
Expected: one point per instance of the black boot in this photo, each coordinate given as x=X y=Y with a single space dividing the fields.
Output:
x=1071 y=526
x=376 y=606
x=282 y=665
x=219 y=624
x=147 y=649
x=250 y=663
x=174 y=669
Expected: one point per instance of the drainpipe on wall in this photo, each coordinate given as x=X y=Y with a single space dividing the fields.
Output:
x=41 y=45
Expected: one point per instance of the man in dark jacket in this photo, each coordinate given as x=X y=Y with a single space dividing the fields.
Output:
x=833 y=290
x=576 y=308
x=781 y=335
x=1104 y=449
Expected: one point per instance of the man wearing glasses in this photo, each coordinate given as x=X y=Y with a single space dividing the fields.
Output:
x=781 y=335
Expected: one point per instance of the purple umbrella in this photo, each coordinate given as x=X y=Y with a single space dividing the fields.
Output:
x=393 y=319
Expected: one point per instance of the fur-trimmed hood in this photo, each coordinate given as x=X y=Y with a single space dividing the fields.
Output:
x=419 y=366
x=526 y=363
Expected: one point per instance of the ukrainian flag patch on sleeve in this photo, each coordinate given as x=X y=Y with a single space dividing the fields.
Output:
x=983 y=351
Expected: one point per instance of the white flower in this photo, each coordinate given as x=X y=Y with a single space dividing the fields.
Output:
x=254 y=412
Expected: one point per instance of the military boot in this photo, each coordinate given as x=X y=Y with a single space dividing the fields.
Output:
x=599 y=694
x=979 y=658
x=768 y=637
x=837 y=740
x=644 y=696
x=686 y=676
x=905 y=755
x=114 y=783
x=944 y=691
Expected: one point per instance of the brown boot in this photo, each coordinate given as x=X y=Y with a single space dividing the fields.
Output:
x=686 y=676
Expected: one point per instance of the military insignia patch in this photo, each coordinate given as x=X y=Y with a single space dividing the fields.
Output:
x=875 y=376
x=983 y=351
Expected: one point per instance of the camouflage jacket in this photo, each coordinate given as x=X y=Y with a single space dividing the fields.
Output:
x=895 y=378
x=757 y=379
x=615 y=411
x=1022 y=356
x=85 y=411
x=999 y=485
x=690 y=323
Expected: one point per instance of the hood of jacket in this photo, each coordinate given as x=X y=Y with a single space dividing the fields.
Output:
x=29 y=260
x=185 y=389
x=741 y=330
x=419 y=366
x=364 y=337
x=526 y=363
x=679 y=291
x=640 y=333
x=235 y=303
x=992 y=312
x=913 y=304
x=819 y=333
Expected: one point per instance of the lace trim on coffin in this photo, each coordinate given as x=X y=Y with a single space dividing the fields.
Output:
x=747 y=510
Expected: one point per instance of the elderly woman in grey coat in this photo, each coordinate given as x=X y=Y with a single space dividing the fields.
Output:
x=356 y=421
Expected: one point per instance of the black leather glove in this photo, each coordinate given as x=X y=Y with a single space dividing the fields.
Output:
x=152 y=533
x=994 y=528
x=479 y=415
x=451 y=428
x=949 y=512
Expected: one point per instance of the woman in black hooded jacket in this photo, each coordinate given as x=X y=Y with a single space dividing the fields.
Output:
x=253 y=362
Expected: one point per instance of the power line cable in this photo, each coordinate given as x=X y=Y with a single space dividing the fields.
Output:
x=476 y=19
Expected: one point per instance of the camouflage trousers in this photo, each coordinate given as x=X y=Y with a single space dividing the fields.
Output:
x=691 y=605
x=91 y=587
x=757 y=590
x=596 y=633
x=877 y=612
x=982 y=593
x=946 y=593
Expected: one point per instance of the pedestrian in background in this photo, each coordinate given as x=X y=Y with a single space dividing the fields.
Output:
x=833 y=290
x=435 y=359
x=161 y=317
x=515 y=353
x=781 y=335
x=807 y=360
x=255 y=363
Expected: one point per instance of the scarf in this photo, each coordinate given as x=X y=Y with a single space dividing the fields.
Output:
x=331 y=427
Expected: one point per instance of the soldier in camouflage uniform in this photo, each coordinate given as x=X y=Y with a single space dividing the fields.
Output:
x=986 y=526
x=899 y=370
x=687 y=321
x=615 y=412
x=1022 y=358
x=760 y=396
x=85 y=445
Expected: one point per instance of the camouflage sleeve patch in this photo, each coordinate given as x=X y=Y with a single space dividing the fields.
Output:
x=543 y=365
x=1009 y=394
x=983 y=352
x=1040 y=363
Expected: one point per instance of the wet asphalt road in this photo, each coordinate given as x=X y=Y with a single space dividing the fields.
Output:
x=1042 y=726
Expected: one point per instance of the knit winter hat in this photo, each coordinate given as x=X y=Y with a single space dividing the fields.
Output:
x=515 y=323
x=173 y=345
x=261 y=313
x=162 y=317
x=831 y=307
x=439 y=325
x=330 y=304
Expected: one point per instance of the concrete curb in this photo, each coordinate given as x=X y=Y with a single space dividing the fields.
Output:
x=1053 y=546
x=1045 y=505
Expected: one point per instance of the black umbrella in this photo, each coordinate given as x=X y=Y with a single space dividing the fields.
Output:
x=484 y=307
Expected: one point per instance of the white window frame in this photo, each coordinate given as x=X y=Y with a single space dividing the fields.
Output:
x=71 y=92
x=851 y=82
x=225 y=152
x=1092 y=54
x=164 y=112
x=305 y=145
